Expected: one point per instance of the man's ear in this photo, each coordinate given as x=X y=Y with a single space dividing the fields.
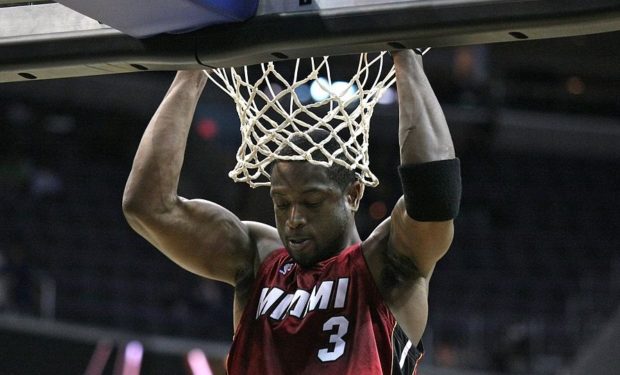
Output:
x=354 y=192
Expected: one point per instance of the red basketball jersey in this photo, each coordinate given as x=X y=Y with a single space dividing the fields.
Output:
x=326 y=319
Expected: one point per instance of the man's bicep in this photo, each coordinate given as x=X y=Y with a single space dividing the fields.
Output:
x=423 y=242
x=402 y=283
x=200 y=236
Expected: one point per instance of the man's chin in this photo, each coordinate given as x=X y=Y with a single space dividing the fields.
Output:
x=302 y=259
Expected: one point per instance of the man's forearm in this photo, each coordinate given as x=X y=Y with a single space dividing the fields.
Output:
x=423 y=133
x=154 y=176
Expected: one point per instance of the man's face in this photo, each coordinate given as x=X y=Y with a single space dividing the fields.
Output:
x=312 y=212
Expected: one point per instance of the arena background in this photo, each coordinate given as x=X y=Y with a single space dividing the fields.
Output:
x=531 y=284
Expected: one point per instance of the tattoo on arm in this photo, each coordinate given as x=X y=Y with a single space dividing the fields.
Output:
x=398 y=270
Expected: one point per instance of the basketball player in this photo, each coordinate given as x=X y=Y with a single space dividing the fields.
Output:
x=311 y=297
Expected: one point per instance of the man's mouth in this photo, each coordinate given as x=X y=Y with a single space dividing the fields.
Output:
x=298 y=244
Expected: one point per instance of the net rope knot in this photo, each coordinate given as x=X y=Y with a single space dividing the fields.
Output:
x=271 y=113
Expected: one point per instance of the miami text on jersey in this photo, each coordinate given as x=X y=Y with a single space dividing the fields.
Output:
x=278 y=304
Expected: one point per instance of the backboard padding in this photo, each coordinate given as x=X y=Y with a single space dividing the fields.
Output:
x=314 y=32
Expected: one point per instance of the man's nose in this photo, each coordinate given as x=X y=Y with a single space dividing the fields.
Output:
x=296 y=217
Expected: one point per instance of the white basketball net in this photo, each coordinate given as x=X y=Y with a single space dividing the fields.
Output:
x=271 y=113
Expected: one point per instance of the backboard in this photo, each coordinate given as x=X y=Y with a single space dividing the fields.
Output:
x=44 y=40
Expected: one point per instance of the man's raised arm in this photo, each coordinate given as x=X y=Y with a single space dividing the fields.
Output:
x=200 y=236
x=421 y=226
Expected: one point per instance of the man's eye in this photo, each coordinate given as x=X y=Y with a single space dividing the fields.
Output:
x=281 y=205
x=314 y=203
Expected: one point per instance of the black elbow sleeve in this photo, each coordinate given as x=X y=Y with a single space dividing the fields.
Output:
x=432 y=190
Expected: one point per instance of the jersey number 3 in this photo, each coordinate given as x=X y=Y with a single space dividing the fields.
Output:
x=340 y=325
